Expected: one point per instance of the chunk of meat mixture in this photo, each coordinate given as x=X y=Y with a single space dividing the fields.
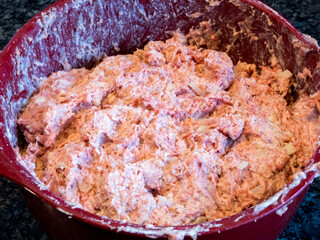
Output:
x=170 y=135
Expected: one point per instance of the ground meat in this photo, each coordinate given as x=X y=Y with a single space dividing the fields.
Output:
x=172 y=134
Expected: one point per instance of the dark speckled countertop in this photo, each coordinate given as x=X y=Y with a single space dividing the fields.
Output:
x=16 y=221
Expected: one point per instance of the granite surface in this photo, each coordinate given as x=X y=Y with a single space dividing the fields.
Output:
x=15 y=220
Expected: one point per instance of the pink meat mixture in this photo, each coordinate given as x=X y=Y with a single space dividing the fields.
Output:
x=172 y=134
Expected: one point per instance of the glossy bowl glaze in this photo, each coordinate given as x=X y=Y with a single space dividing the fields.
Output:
x=71 y=34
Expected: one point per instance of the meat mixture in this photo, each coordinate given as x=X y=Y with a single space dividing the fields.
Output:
x=172 y=134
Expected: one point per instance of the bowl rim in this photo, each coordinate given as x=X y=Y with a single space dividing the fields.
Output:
x=16 y=172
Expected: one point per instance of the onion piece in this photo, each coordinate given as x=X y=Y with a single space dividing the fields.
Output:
x=256 y=189
x=111 y=97
x=243 y=165
x=84 y=187
x=285 y=74
x=202 y=128
x=289 y=148
x=212 y=89
x=195 y=87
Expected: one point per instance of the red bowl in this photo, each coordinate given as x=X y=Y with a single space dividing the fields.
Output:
x=78 y=33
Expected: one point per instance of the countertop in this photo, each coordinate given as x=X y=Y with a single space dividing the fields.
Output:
x=16 y=222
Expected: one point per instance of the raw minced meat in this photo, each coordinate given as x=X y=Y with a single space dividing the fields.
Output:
x=172 y=134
